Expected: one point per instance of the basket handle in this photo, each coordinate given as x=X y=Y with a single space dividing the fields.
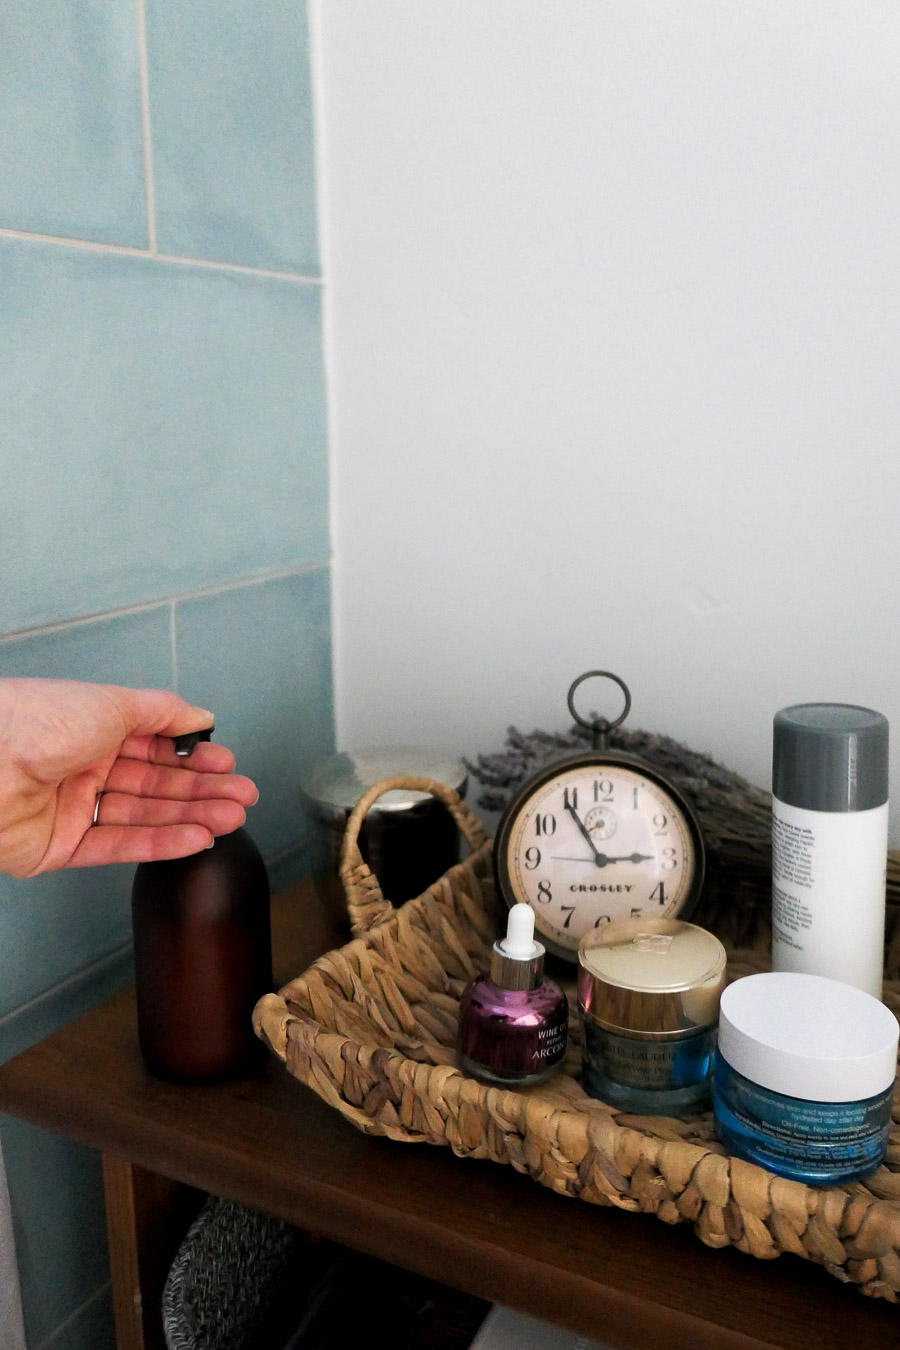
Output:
x=366 y=904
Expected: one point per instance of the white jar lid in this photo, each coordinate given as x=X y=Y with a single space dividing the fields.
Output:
x=808 y=1037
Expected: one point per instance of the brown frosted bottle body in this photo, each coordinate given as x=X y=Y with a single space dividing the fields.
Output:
x=202 y=958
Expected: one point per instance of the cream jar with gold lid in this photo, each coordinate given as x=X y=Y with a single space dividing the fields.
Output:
x=648 y=999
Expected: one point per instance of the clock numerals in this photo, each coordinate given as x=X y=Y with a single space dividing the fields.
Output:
x=588 y=844
x=636 y=913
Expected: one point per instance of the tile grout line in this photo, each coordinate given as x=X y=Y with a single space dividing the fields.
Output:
x=173 y=646
x=172 y=259
x=145 y=127
x=240 y=583
x=67 y=982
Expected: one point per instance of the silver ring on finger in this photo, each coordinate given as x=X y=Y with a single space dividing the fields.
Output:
x=96 y=819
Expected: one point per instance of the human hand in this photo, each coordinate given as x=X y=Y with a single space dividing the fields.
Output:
x=62 y=742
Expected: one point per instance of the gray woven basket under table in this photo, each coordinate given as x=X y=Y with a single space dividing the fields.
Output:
x=225 y=1276
x=371 y=1028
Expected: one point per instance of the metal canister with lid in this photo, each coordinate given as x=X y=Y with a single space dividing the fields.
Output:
x=408 y=838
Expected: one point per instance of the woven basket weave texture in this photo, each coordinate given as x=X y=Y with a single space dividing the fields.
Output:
x=371 y=1028
x=224 y=1276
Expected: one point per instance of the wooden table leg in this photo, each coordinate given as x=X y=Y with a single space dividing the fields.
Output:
x=147 y=1215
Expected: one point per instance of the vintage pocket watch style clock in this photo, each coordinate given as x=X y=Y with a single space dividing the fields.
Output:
x=597 y=836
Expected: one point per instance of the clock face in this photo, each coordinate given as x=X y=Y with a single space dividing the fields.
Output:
x=589 y=843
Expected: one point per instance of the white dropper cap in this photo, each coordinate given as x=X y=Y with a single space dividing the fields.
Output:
x=519 y=941
x=517 y=961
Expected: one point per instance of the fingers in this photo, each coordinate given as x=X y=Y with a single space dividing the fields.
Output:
x=207 y=757
x=218 y=817
x=140 y=779
x=133 y=844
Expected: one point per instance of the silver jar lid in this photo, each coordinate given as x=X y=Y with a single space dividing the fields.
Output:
x=337 y=783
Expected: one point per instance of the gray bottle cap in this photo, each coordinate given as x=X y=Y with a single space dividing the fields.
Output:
x=830 y=757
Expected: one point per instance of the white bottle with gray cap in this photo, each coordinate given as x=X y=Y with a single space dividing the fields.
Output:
x=829 y=842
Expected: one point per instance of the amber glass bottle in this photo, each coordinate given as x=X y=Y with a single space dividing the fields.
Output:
x=202 y=958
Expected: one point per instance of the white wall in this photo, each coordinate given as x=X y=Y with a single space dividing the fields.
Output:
x=613 y=298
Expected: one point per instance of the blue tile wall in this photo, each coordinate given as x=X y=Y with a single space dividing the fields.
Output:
x=232 y=131
x=71 y=148
x=59 y=1225
x=164 y=456
x=169 y=429
x=260 y=658
x=77 y=993
x=133 y=648
x=58 y=923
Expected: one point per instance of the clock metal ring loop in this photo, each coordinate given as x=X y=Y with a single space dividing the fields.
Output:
x=600 y=727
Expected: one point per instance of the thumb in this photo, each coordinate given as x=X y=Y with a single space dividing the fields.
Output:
x=157 y=712
x=52 y=728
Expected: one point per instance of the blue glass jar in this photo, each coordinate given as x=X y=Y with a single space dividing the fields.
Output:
x=648 y=1075
x=648 y=998
x=804 y=1077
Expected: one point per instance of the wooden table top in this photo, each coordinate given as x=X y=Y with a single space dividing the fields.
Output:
x=271 y=1143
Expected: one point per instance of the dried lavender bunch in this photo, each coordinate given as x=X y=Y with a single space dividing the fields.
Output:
x=729 y=807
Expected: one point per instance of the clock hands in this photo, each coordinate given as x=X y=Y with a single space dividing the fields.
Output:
x=601 y=859
x=586 y=832
x=604 y=859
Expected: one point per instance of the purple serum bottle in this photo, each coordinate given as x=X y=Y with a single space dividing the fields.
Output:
x=513 y=1023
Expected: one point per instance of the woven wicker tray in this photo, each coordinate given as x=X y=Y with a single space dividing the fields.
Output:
x=371 y=1028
